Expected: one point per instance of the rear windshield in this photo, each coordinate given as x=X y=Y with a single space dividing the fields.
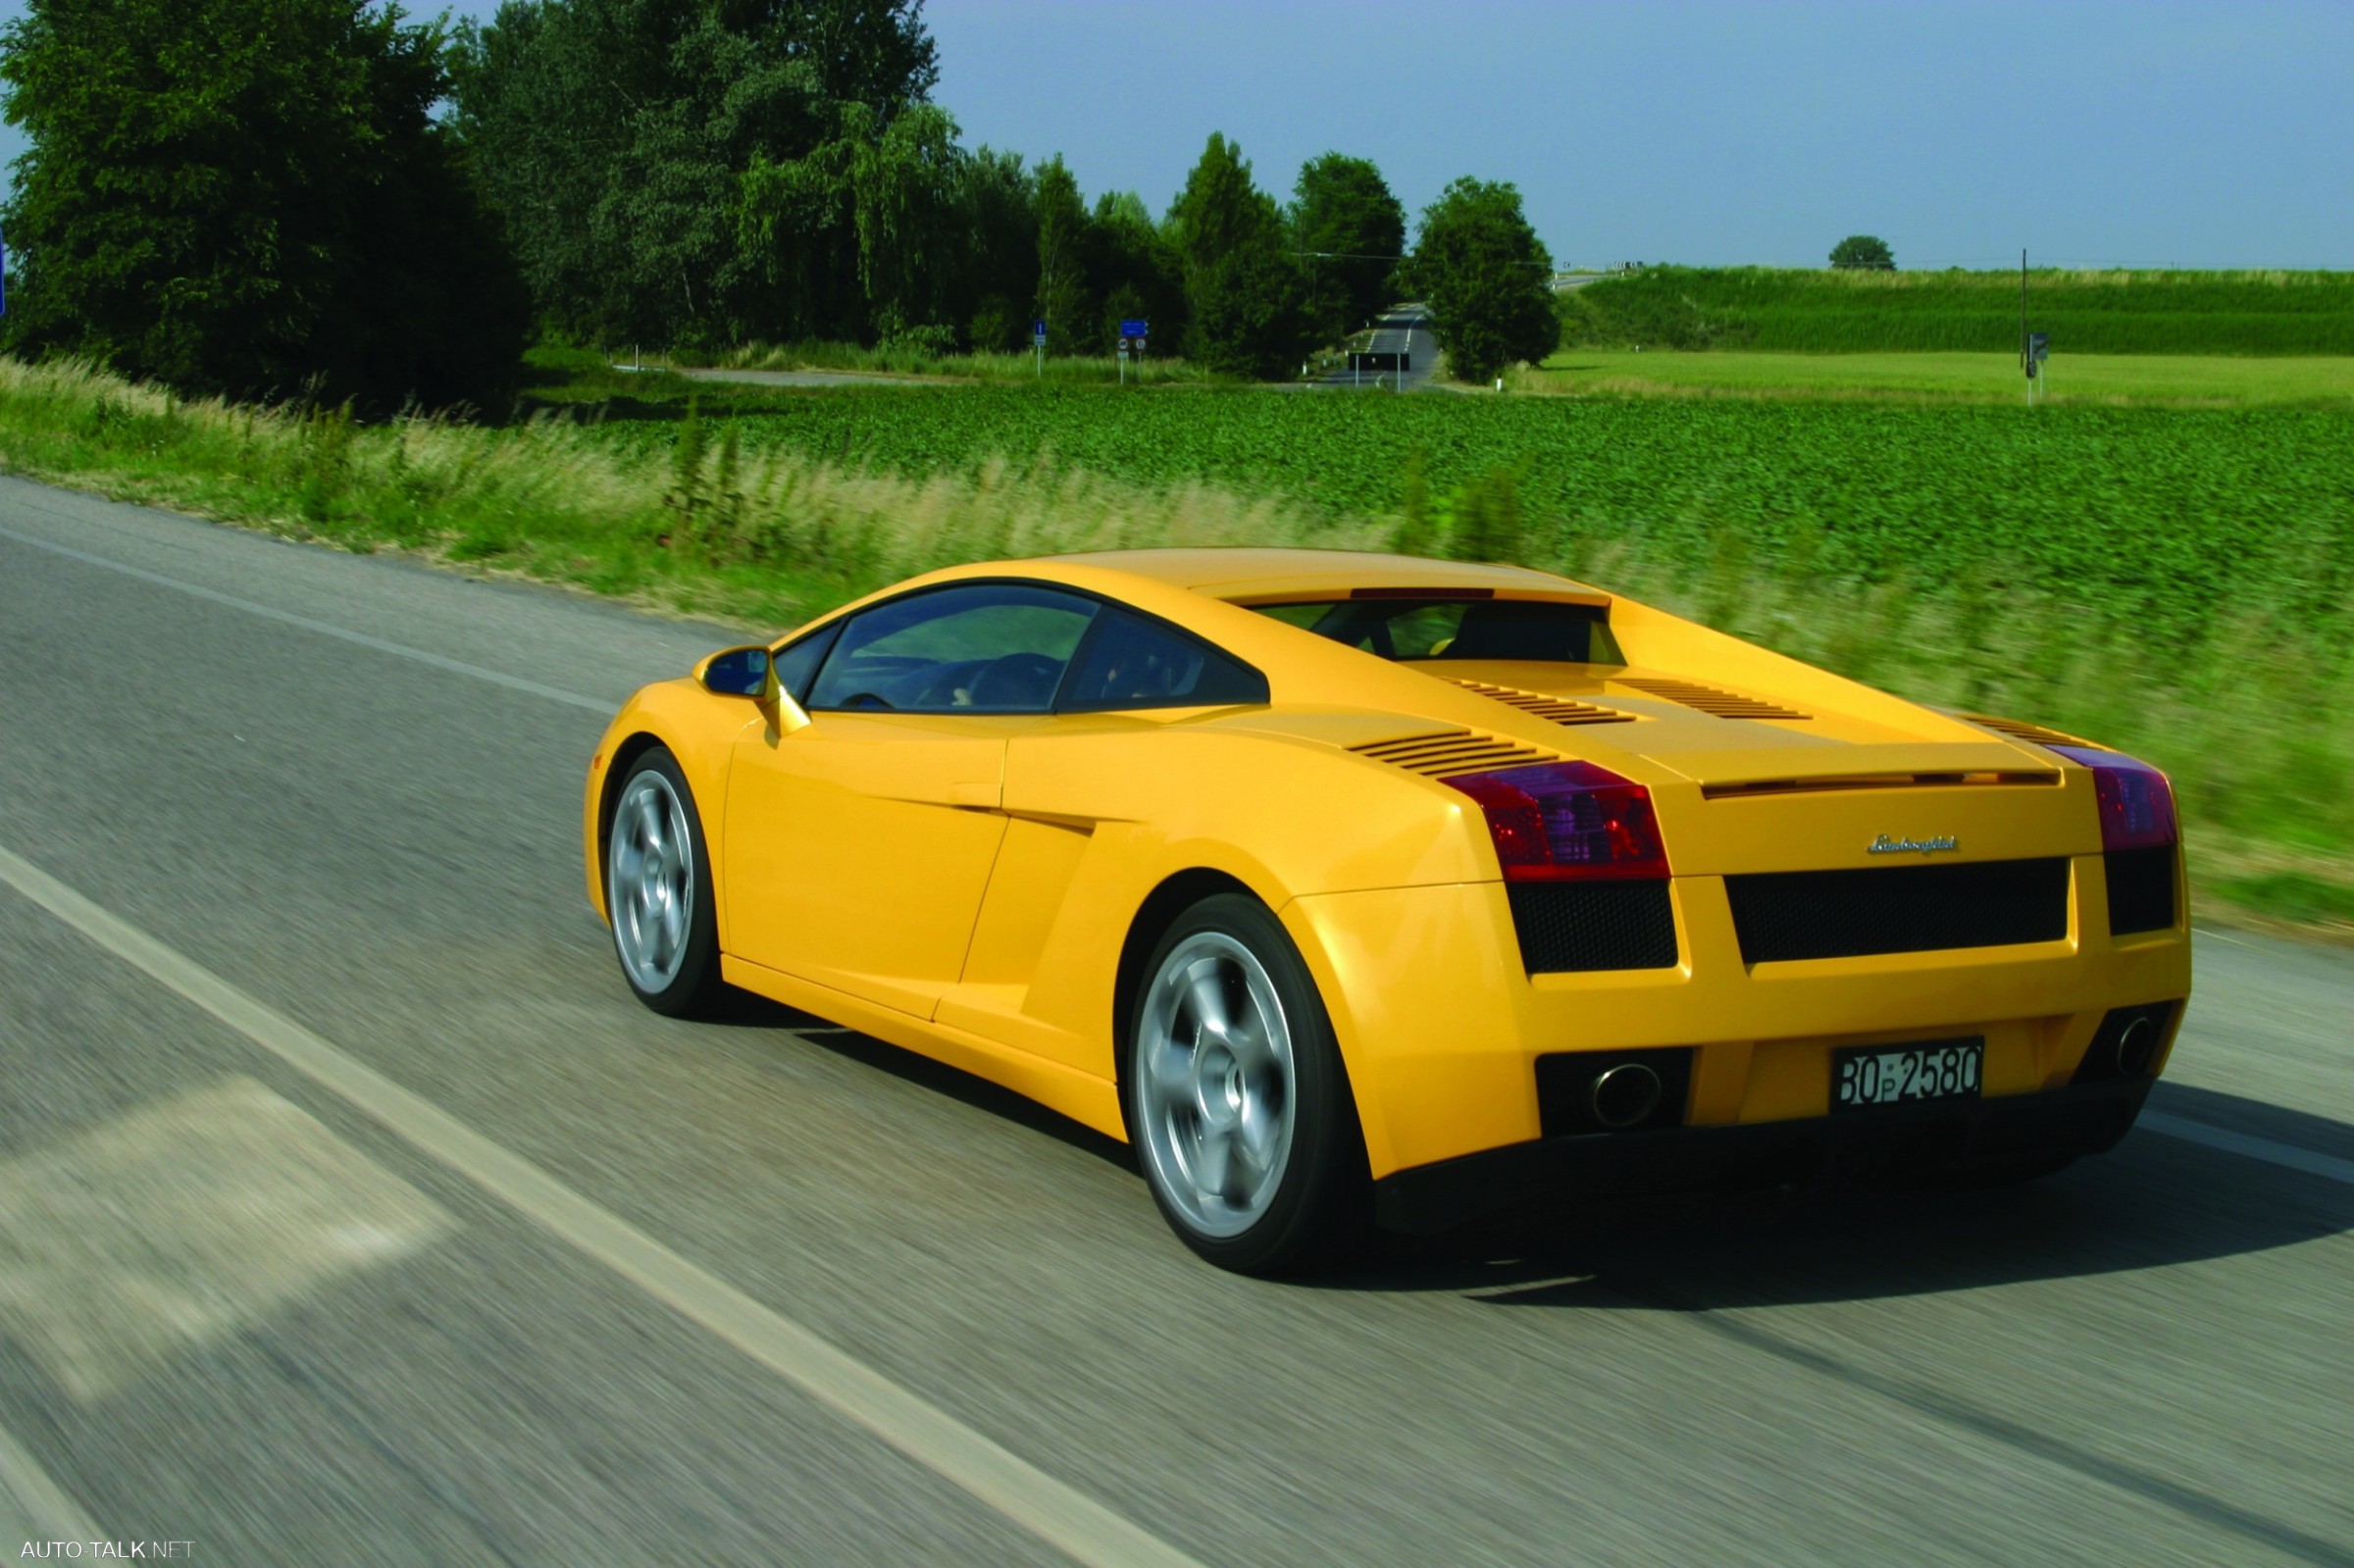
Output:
x=1542 y=630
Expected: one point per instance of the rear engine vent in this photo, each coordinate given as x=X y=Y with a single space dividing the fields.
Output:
x=1709 y=699
x=2141 y=890
x=1574 y=927
x=1898 y=909
x=2020 y=729
x=1567 y=1102
x=1557 y=710
x=1452 y=752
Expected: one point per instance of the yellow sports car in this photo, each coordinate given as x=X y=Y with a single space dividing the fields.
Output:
x=1353 y=886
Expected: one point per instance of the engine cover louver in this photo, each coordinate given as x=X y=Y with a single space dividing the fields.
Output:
x=1554 y=710
x=2020 y=729
x=1710 y=699
x=1450 y=751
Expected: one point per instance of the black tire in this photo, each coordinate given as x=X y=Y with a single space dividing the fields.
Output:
x=693 y=984
x=1320 y=1203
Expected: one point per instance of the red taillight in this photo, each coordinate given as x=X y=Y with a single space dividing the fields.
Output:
x=1565 y=821
x=2138 y=805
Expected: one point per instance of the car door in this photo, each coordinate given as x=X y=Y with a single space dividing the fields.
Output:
x=859 y=845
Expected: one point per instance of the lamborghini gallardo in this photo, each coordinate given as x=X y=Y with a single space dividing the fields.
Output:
x=1356 y=889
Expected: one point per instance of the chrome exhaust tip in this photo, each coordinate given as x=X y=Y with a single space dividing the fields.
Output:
x=2136 y=1046
x=1624 y=1095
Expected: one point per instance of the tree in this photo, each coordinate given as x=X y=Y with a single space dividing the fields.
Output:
x=1242 y=287
x=1066 y=301
x=248 y=196
x=1342 y=208
x=1864 y=253
x=1135 y=264
x=1487 y=280
x=618 y=137
x=997 y=281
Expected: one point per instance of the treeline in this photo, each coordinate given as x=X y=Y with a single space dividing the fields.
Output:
x=707 y=175
x=319 y=199
x=2251 y=313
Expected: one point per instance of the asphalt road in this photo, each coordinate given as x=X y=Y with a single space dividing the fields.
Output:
x=1404 y=329
x=352 y=1211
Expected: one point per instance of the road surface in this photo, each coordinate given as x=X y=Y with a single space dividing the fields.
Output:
x=1403 y=330
x=352 y=1211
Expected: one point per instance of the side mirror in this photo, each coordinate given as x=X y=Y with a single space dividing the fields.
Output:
x=736 y=672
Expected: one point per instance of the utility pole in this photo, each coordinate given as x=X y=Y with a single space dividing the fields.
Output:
x=2026 y=367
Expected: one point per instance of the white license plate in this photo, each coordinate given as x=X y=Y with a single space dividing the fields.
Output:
x=1864 y=1076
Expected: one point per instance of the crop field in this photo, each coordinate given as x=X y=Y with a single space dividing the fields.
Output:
x=1817 y=310
x=2198 y=380
x=2175 y=581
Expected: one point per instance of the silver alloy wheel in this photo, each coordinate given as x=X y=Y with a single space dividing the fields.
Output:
x=1214 y=1083
x=650 y=881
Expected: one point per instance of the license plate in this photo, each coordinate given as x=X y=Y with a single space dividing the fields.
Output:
x=1865 y=1076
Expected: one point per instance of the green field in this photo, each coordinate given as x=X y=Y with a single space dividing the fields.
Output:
x=1818 y=311
x=2175 y=581
x=2117 y=379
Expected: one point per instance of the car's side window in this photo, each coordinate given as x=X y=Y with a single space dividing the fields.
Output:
x=1132 y=662
x=987 y=647
x=796 y=664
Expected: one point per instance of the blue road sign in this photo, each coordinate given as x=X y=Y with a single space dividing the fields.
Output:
x=2039 y=346
x=1136 y=329
x=1037 y=334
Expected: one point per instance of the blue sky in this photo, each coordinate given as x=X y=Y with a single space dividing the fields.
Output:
x=1707 y=131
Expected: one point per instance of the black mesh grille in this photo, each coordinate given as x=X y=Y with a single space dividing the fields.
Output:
x=1593 y=925
x=2141 y=890
x=1898 y=909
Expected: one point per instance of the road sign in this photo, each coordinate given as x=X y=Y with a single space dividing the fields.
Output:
x=1136 y=329
x=2039 y=346
x=1037 y=334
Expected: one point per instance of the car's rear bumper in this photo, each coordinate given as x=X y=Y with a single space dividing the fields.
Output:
x=2009 y=1131
x=1443 y=1029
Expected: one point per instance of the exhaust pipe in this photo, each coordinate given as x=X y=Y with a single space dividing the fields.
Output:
x=1624 y=1095
x=2136 y=1044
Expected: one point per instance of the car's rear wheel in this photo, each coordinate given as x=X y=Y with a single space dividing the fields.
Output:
x=1237 y=1097
x=658 y=890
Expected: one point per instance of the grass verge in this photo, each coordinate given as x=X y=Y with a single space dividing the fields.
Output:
x=2232 y=668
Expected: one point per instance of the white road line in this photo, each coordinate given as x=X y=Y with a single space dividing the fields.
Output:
x=1048 y=1509
x=2272 y=1152
x=33 y=1508
x=323 y=629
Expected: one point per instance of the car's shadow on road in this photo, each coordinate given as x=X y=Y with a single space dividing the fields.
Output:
x=743 y=1010
x=2152 y=1201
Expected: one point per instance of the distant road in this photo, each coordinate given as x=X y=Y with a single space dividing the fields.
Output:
x=292 y=927
x=1402 y=329
x=753 y=378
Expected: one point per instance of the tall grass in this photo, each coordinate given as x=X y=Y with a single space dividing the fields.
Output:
x=2247 y=698
x=1830 y=311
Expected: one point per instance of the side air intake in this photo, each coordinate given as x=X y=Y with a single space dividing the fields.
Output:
x=1554 y=710
x=1709 y=699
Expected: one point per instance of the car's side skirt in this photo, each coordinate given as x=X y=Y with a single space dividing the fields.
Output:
x=1081 y=1096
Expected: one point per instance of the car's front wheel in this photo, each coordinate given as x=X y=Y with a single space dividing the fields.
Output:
x=1237 y=1097
x=658 y=890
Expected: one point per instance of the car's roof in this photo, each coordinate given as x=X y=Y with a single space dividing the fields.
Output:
x=1248 y=573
